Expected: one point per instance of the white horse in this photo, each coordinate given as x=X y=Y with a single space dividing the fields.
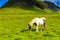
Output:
x=37 y=22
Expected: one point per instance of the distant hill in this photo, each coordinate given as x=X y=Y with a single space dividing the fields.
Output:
x=51 y=6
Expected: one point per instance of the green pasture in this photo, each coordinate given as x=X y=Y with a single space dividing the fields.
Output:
x=13 y=24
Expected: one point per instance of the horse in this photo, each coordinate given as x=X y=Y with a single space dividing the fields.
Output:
x=37 y=21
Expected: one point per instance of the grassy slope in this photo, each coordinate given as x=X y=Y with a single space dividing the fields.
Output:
x=13 y=24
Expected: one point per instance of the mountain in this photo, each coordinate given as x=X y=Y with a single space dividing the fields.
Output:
x=51 y=6
x=31 y=4
x=56 y=2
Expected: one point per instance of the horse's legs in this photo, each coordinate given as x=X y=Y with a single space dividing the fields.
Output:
x=36 y=28
x=41 y=27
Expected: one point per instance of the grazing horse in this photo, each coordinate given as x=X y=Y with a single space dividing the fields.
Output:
x=37 y=22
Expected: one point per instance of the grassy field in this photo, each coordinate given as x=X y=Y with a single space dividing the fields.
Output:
x=13 y=24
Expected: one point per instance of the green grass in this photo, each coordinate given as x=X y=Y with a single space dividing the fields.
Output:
x=13 y=24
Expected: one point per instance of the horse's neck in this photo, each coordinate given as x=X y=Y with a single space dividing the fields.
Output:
x=32 y=22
